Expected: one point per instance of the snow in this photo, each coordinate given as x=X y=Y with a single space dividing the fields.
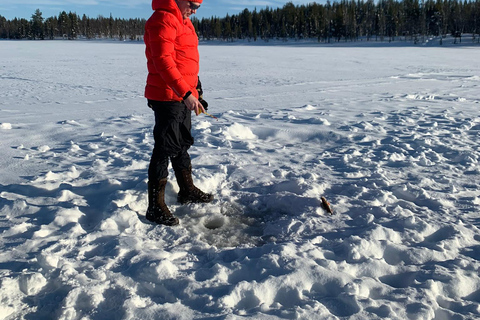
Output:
x=389 y=135
x=6 y=126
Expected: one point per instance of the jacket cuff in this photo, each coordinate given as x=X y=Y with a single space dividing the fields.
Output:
x=187 y=95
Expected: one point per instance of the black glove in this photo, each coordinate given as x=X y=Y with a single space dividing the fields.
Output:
x=200 y=95
x=199 y=88
x=204 y=103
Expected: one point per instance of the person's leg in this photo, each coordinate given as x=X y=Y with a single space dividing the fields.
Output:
x=158 y=168
x=158 y=211
x=181 y=161
x=188 y=193
x=166 y=141
x=182 y=165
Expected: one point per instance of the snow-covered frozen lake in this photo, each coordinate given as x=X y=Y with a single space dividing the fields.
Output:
x=389 y=135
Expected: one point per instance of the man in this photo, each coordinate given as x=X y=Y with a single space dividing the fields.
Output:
x=173 y=90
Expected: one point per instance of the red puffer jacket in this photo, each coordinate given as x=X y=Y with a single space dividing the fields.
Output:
x=172 y=53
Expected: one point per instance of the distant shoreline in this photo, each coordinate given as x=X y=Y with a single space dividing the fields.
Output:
x=448 y=41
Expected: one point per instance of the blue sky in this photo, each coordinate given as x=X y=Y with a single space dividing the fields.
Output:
x=126 y=8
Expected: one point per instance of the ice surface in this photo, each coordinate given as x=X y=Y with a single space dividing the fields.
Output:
x=389 y=135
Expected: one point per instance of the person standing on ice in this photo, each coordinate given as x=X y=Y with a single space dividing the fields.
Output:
x=173 y=90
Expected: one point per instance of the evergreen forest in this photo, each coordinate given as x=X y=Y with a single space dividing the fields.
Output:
x=346 y=20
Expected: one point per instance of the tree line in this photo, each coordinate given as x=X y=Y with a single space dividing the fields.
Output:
x=348 y=20
x=337 y=21
x=71 y=26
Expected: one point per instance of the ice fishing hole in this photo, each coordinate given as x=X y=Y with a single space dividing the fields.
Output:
x=214 y=223
x=232 y=226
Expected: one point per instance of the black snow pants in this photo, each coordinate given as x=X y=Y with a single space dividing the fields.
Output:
x=173 y=138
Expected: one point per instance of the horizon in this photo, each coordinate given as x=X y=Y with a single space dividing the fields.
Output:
x=24 y=9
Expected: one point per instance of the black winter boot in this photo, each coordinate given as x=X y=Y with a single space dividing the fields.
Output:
x=188 y=192
x=157 y=209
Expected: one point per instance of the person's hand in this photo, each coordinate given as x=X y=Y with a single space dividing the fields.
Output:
x=193 y=104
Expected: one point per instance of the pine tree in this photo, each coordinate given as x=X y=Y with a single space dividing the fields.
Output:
x=4 y=28
x=37 y=25
x=49 y=27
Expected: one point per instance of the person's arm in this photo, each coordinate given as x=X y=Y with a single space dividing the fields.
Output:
x=162 y=48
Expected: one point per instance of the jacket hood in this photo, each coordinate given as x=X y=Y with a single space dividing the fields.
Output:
x=167 y=5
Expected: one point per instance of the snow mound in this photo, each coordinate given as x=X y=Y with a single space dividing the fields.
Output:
x=6 y=126
x=239 y=131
